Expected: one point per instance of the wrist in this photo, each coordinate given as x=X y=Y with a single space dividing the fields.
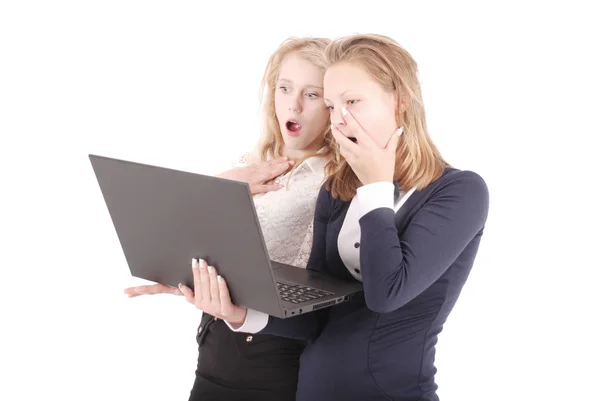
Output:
x=239 y=322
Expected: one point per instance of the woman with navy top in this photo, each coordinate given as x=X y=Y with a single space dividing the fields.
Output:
x=393 y=215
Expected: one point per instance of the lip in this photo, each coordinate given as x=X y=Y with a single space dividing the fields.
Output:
x=293 y=133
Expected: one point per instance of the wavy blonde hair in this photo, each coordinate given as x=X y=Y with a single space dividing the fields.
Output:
x=271 y=142
x=418 y=161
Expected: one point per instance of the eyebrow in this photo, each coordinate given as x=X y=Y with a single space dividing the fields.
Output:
x=291 y=82
x=341 y=94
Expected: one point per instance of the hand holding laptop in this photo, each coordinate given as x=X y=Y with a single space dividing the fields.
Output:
x=211 y=294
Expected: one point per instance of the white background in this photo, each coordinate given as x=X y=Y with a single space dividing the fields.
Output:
x=511 y=93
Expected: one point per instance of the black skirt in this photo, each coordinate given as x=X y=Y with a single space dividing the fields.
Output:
x=238 y=366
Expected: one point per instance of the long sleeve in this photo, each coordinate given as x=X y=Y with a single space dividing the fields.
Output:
x=303 y=327
x=397 y=269
x=308 y=326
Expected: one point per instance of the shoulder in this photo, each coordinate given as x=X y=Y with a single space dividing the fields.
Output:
x=325 y=202
x=459 y=191
x=325 y=195
x=466 y=183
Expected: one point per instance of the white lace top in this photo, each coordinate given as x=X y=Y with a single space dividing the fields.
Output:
x=286 y=216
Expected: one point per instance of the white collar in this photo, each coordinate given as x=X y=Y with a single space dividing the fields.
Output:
x=315 y=163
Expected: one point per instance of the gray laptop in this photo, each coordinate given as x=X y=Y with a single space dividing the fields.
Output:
x=164 y=218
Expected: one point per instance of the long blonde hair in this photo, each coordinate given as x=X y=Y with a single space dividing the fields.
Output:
x=418 y=161
x=271 y=143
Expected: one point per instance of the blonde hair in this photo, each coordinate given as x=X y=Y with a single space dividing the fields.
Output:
x=418 y=161
x=271 y=143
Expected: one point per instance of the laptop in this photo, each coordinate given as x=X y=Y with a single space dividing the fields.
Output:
x=165 y=217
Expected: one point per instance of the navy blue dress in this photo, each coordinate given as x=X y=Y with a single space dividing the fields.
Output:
x=414 y=263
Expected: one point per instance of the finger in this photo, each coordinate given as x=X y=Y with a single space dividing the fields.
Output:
x=281 y=168
x=392 y=144
x=347 y=147
x=134 y=291
x=262 y=189
x=214 y=286
x=354 y=129
x=197 y=278
x=274 y=162
x=187 y=293
x=281 y=159
x=204 y=283
x=151 y=290
x=274 y=169
x=225 y=298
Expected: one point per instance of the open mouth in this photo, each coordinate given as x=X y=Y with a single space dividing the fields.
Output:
x=293 y=126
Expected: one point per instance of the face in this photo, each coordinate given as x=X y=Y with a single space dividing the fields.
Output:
x=302 y=115
x=350 y=86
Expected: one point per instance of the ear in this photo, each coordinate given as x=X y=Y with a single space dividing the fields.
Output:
x=401 y=102
x=400 y=108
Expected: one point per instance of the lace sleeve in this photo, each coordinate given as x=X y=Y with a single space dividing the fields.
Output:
x=301 y=259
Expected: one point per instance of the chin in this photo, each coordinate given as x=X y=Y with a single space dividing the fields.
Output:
x=293 y=144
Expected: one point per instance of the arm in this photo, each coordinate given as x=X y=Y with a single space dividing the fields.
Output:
x=396 y=270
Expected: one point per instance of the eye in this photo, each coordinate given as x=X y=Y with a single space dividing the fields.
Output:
x=312 y=95
x=353 y=101
x=284 y=89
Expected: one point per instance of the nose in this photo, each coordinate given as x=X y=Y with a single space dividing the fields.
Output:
x=296 y=105
x=336 y=117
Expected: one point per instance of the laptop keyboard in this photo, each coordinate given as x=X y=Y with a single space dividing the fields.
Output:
x=296 y=293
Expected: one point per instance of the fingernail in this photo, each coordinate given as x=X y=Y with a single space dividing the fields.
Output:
x=202 y=263
x=194 y=263
x=210 y=269
x=399 y=131
x=180 y=286
x=344 y=111
x=219 y=279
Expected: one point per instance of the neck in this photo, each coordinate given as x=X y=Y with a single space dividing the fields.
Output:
x=300 y=154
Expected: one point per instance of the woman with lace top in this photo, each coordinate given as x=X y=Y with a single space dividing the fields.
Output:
x=236 y=366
